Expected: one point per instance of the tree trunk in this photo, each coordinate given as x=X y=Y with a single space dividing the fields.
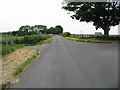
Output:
x=106 y=33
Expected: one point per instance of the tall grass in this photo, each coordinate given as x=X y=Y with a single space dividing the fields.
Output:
x=10 y=48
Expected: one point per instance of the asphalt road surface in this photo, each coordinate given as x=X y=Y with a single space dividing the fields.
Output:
x=70 y=64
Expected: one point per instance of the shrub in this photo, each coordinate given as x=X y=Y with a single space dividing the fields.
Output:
x=66 y=34
x=20 y=41
x=10 y=48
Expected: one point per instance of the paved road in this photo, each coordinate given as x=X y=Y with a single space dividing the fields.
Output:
x=69 y=64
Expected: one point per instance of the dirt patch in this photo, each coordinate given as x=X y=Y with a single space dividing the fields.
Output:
x=12 y=60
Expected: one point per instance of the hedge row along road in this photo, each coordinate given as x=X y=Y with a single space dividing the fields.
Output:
x=70 y=64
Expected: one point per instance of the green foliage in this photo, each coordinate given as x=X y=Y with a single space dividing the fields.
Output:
x=51 y=30
x=37 y=29
x=10 y=48
x=102 y=37
x=59 y=29
x=111 y=37
x=34 y=39
x=102 y=14
x=19 y=42
x=66 y=34
x=4 y=86
x=31 y=30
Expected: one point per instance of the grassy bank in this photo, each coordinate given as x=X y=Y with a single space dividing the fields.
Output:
x=89 y=40
x=22 y=67
x=10 y=48
x=20 y=64
x=100 y=37
x=45 y=41
x=94 y=38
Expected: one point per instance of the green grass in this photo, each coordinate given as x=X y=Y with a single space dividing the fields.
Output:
x=22 y=67
x=94 y=41
x=19 y=70
x=20 y=41
x=4 y=86
x=28 y=39
x=89 y=40
x=49 y=40
x=94 y=38
x=69 y=38
x=100 y=37
x=6 y=49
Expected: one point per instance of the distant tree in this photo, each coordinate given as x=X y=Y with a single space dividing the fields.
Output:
x=102 y=14
x=51 y=30
x=59 y=29
x=66 y=34
x=30 y=30
x=41 y=28
x=14 y=33
x=24 y=30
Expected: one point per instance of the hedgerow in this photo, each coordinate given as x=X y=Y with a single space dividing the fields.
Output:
x=11 y=43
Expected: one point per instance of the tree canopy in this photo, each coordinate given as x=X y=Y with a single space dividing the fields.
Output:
x=57 y=30
x=102 y=14
x=37 y=29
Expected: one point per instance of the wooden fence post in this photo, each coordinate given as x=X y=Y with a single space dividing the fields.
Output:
x=6 y=43
x=12 y=42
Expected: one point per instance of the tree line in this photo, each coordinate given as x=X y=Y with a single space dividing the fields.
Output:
x=37 y=29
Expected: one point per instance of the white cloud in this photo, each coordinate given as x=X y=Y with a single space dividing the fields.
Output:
x=15 y=13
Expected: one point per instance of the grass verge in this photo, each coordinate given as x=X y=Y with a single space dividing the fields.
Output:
x=23 y=66
x=18 y=70
x=4 y=86
x=10 y=48
x=45 y=41
x=90 y=40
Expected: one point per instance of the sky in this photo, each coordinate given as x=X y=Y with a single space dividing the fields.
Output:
x=16 y=13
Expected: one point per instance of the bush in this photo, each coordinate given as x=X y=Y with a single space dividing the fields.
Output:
x=10 y=48
x=66 y=34
x=20 y=41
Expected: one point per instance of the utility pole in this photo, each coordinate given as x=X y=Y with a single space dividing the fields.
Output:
x=81 y=34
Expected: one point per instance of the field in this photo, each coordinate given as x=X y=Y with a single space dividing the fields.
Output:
x=94 y=38
x=111 y=37
x=11 y=43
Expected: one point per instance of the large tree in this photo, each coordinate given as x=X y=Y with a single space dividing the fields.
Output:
x=59 y=29
x=24 y=30
x=102 y=14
